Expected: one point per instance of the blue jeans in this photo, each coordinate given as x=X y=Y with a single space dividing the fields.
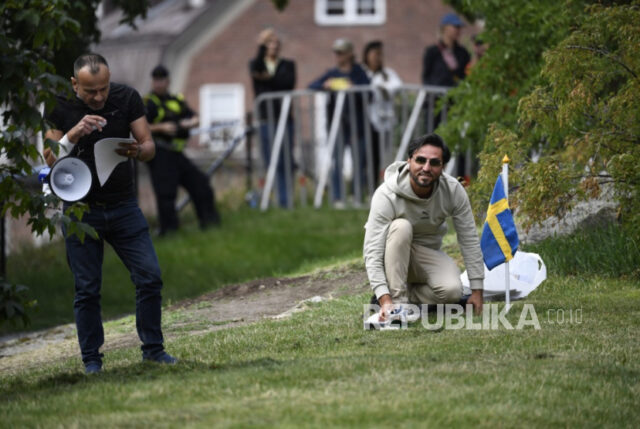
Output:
x=125 y=228
x=266 y=146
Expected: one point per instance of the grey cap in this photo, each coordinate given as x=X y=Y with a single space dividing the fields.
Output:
x=342 y=45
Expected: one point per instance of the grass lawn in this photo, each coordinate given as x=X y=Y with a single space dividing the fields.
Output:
x=320 y=368
x=250 y=244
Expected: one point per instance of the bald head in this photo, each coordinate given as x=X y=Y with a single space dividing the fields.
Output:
x=91 y=78
x=91 y=61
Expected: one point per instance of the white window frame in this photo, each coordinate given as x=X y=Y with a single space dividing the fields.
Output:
x=350 y=16
x=220 y=103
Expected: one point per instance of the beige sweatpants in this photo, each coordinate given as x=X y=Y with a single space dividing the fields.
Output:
x=417 y=274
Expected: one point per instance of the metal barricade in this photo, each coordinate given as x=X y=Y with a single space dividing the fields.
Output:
x=310 y=139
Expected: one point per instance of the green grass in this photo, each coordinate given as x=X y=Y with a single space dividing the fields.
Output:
x=321 y=369
x=249 y=245
x=607 y=250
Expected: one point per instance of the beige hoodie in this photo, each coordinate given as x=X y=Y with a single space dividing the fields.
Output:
x=395 y=199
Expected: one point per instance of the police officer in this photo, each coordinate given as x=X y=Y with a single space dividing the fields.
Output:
x=170 y=119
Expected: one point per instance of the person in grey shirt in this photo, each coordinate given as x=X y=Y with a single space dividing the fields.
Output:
x=405 y=228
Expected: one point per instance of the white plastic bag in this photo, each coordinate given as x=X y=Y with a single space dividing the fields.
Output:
x=526 y=272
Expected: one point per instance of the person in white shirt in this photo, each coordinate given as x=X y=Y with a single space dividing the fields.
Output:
x=386 y=81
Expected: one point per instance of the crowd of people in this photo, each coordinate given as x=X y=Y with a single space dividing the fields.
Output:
x=445 y=63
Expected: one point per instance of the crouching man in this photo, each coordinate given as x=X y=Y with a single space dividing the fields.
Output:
x=404 y=232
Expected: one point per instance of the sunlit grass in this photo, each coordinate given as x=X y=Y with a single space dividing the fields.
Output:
x=320 y=368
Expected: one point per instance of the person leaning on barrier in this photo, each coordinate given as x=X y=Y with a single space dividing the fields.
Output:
x=170 y=120
x=344 y=75
x=381 y=109
x=98 y=110
x=271 y=73
x=405 y=228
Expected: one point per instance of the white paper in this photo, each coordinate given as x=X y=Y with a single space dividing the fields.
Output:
x=104 y=152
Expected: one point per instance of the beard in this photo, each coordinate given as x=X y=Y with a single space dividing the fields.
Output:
x=92 y=105
x=423 y=180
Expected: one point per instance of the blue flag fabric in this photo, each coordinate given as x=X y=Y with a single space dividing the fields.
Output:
x=499 y=240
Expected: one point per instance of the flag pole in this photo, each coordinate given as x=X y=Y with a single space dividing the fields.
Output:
x=505 y=181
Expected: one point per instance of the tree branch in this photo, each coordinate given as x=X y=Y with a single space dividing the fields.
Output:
x=605 y=53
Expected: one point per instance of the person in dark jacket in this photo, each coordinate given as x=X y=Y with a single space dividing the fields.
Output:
x=271 y=73
x=344 y=75
x=445 y=64
x=170 y=119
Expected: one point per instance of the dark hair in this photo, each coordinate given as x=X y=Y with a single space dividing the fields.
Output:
x=374 y=44
x=92 y=60
x=432 y=140
x=159 y=72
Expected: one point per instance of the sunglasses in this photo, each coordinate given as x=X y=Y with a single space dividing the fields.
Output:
x=434 y=162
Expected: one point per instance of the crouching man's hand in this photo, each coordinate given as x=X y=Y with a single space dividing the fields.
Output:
x=386 y=305
x=476 y=300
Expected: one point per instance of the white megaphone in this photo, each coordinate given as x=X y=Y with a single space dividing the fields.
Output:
x=70 y=179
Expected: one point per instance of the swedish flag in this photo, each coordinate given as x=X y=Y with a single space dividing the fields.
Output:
x=499 y=240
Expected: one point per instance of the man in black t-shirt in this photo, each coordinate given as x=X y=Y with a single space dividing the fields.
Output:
x=102 y=109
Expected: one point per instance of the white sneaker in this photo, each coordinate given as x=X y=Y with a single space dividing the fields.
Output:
x=412 y=312
x=397 y=320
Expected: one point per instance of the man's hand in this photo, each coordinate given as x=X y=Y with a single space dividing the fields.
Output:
x=142 y=134
x=262 y=75
x=189 y=123
x=130 y=150
x=386 y=305
x=169 y=128
x=476 y=300
x=264 y=36
x=87 y=125
x=49 y=157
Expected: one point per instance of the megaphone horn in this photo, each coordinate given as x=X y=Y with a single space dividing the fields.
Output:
x=70 y=179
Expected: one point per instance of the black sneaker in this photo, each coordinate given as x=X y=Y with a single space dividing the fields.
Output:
x=92 y=367
x=163 y=357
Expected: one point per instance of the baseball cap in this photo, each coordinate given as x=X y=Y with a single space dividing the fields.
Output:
x=159 y=72
x=342 y=45
x=451 y=19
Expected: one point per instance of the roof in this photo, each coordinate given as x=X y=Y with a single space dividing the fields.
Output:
x=164 y=21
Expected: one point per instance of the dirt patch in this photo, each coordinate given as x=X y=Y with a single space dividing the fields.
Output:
x=231 y=306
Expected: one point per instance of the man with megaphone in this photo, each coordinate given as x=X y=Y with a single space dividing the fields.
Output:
x=99 y=110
